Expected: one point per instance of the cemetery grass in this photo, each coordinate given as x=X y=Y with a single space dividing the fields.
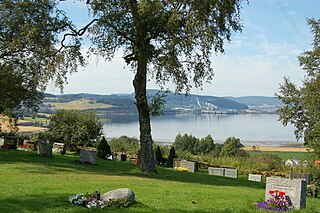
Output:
x=32 y=183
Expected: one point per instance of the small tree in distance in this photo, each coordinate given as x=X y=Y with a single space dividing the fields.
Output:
x=75 y=128
x=103 y=148
x=172 y=154
x=158 y=155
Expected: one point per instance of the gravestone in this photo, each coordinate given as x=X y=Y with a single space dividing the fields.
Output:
x=88 y=156
x=216 y=171
x=295 y=188
x=44 y=149
x=196 y=164
x=176 y=162
x=58 y=147
x=231 y=173
x=1 y=141
x=306 y=176
x=255 y=177
x=191 y=166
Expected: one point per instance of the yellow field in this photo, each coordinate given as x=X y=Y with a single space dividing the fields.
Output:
x=79 y=105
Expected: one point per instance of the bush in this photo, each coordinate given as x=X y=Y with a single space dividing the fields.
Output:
x=268 y=161
x=158 y=155
x=194 y=145
x=124 y=144
x=231 y=147
x=172 y=155
x=103 y=149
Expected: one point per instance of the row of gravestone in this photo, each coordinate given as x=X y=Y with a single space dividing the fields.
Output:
x=224 y=172
x=293 y=175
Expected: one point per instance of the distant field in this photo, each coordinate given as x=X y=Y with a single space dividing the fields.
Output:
x=79 y=105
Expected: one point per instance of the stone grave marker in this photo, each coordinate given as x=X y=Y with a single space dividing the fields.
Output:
x=255 y=177
x=44 y=149
x=295 y=188
x=216 y=171
x=231 y=173
x=58 y=147
x=306 y=176
x=1 y=141
x=88 y=156
x=176 y=162
x=191 y=166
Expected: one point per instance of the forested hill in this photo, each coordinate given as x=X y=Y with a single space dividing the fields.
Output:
x=173 y=100
x=253 y=101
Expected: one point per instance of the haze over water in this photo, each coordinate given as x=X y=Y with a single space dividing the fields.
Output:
x=252 y=129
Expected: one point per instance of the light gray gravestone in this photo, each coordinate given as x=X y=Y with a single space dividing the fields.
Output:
x=1 y=141
x=58 y=147
x=88 y=156
x=231 y=173
x=295 y=188
x=255 y=177
x=216 y=171
x=191 y=166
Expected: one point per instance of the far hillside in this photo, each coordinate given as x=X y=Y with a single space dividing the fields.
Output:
x=256 y=100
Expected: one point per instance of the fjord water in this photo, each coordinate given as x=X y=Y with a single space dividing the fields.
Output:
x=252 y=129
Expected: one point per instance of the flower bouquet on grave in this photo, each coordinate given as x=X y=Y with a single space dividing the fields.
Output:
x=87 y=200
x=181 y=169
x=278 y=201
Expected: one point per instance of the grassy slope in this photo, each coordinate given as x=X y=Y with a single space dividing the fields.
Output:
x=286 y=155
x=31 y=183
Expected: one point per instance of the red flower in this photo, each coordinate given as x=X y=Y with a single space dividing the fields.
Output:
x=282 y=193
x=271 y=192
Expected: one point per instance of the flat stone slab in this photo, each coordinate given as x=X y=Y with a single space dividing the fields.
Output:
x=295 y=188
x=216 y=171
x=231 y=173
x=88 y=156
x=191 y=166
x=255 y=177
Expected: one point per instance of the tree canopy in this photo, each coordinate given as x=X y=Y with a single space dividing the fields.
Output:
x=301 y=104
x=31 y=51
x=75 y=128
x=169 y=41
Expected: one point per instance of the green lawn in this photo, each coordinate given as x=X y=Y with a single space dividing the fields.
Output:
x=285 y=155
x=31 y=183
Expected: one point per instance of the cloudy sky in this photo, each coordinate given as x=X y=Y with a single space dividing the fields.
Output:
x=254 y=63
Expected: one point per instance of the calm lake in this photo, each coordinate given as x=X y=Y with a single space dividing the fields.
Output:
x=252 y=129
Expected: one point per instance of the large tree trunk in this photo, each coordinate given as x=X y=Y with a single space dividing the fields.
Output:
x=140 y=83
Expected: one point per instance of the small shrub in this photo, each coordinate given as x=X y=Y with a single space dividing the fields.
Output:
x=268 y=161
x=158 y=155
x=125 y=144
x=172 y=155
x=103 y=149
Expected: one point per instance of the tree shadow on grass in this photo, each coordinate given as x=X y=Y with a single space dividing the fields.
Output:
x=70 y=164
x=58 y=204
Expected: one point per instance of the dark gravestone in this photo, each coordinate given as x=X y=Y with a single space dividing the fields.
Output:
x=88 y=156
x=44 y=149
x=305 y=176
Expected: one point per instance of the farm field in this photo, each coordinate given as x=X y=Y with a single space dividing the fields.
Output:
x=32 y=183
x=81 y=104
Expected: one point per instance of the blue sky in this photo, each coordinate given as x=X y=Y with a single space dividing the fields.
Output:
x=275 y=32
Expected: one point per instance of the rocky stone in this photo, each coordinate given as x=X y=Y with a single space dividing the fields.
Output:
x=122 y=195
